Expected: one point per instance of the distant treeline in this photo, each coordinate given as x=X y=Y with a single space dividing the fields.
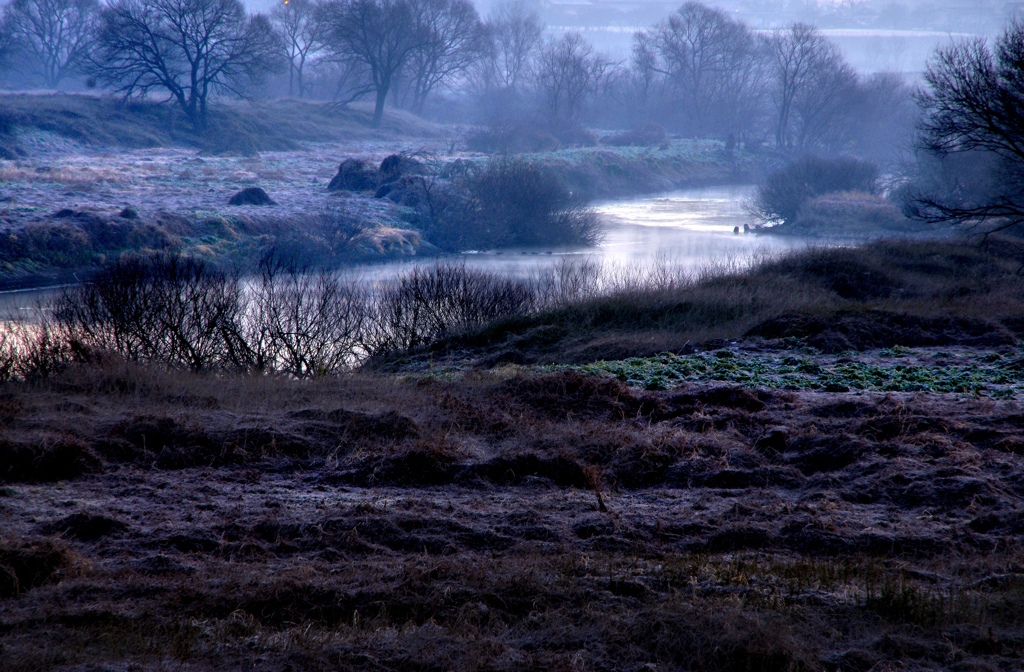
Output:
x=699 y=72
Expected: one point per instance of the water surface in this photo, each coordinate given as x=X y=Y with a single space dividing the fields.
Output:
x=691 y=228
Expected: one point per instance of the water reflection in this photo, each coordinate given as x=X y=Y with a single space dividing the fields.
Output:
x=690 y=228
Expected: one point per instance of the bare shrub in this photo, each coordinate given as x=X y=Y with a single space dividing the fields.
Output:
x=303 y=322
x=571 y=281
x=164 y=308
x=428 y=303
x=40 y=349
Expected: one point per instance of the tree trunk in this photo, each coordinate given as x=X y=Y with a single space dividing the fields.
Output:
x=378 y=110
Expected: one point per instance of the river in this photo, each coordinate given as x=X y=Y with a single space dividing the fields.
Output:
x=689 y=228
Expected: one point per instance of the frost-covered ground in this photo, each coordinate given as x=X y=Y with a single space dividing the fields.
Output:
x=62 y=174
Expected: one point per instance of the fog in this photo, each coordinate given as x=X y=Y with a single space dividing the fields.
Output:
x=500 y=127
x=875 y=35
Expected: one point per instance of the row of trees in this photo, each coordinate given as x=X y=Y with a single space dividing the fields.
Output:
x=706 y=74
x=192 y=49
x=698 y=72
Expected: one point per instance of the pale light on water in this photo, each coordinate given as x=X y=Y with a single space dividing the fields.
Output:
x=691 y=227
x=688 y=229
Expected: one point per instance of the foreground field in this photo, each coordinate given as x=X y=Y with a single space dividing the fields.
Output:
x=510 y=520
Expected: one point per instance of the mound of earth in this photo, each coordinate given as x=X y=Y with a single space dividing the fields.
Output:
x=251 y=196
x=866 y=330
x=354 y=175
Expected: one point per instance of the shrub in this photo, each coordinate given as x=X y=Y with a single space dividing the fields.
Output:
x=779 y=199
x=302 y=322
x=164 y=308
x=511 y=202
x=428 y=303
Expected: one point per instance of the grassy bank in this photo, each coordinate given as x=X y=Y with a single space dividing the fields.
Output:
x=96 y=122
x=613 y=172
x=883 y=294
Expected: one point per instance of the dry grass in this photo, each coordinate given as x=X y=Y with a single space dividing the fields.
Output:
x=657 y=310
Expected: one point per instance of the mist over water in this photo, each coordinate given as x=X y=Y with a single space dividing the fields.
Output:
x=688 y=228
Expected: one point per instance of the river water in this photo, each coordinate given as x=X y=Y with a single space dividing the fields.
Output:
x=689 y=228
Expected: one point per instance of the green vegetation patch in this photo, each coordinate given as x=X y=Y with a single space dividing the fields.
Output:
x=892 y=370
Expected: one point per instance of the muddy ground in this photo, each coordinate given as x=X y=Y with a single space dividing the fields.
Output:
x=514 y=519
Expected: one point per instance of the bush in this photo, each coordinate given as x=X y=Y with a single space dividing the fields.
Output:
x=427 y=304
x=779 y=199
x=512 y=202
x=165 y=308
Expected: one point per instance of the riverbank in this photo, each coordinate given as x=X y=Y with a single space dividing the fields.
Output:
x=73 y=196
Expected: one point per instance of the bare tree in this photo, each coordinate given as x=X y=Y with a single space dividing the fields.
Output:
x=973 y=110
x=884 y=119
x=54 y=35
x=824 y=107
x=516 y=35
x=303 y=33
x=451 y=39
x=569 y=72
x=708 y=60
x=809 y=78
x=644 y=67
x=380 y=34
x=190 y=49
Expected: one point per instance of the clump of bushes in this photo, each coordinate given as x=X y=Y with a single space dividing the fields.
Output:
x=782 y=196
x=509 y=203
x=184 y=313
